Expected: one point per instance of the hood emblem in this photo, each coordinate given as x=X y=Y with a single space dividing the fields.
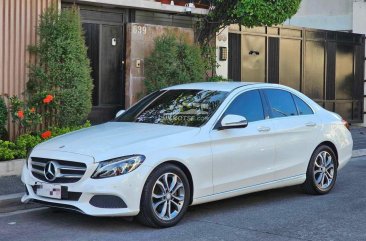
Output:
x=50 y=171
x=62 y=146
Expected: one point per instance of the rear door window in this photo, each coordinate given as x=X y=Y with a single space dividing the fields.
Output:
x=281 y=103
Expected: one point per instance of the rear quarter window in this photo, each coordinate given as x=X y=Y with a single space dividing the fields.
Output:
x=302 y=107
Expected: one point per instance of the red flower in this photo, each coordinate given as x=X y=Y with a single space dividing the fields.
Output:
x=48 y=99
x=32 y=110
x=20 y=114
x=46 y=134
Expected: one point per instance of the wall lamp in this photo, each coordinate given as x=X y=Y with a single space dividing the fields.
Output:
x=253 y=52
x=223 y=54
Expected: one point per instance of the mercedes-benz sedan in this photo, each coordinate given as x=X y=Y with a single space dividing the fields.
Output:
x=190 y=144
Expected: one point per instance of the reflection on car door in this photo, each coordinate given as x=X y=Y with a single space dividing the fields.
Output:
x=243 y=157
x=296 y=128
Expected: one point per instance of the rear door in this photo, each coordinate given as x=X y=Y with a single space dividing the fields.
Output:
x=296 y=128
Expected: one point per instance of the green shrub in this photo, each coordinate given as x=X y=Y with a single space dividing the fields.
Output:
x=7 y=150
x=216 y=78
x=57 y=131
x=62 y=70
x=3 y=118
x=24 y=143
x=173 y=61
x=26 y=117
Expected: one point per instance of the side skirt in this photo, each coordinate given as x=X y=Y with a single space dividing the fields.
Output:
x=290 y=181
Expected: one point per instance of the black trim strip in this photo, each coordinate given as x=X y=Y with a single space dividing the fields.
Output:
x=58 y=205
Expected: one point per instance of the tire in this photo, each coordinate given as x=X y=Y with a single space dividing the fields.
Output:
x=157 y=193
x=321 y=176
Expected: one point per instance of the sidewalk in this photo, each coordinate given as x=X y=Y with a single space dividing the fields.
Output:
x=10 y=185
x=359 y=137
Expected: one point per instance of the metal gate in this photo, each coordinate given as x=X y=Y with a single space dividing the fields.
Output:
x=104 y=37
x=325 y=65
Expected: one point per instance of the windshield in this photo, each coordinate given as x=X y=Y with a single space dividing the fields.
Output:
x=175 y=107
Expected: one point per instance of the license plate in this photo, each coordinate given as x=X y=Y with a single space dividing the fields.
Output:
x=49 y=190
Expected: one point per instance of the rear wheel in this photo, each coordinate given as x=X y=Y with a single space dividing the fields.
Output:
x=322 y=171
x=165 y=197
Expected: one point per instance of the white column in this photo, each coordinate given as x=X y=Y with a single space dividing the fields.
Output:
x=359 y=26
x=222 y=40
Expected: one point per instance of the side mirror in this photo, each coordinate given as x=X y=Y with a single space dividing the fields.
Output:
x=119 y=113
x=233 y=121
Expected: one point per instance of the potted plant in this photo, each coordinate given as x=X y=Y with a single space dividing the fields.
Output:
x=202 y=4
x=164 y=1
x=180 y=2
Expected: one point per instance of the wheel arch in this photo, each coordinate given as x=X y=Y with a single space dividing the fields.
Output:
x=332 y=146
x=186 y=171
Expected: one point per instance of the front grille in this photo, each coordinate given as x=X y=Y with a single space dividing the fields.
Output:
x=68 y=171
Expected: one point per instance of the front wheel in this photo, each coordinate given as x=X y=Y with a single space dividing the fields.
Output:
x=322 y=171
x=165 y=197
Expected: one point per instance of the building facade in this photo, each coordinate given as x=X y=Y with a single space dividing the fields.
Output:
x=319 y=51
x=119 y=35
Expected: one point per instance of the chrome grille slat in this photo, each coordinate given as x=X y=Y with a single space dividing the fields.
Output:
x=72 y=168
x=67 y=171
x=40 y=164
x=37 y=171
x=71 y=175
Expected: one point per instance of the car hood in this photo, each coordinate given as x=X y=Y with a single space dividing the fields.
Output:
x=115 y=139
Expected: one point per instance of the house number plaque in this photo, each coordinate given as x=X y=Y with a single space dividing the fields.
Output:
x=139 y=29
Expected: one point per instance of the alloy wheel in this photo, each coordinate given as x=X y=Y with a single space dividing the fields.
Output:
x=167 y=197
x=324 y=170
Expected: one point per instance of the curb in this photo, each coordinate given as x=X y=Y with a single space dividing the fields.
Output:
x=10 y=200
x=359 y=153
x=11 y=168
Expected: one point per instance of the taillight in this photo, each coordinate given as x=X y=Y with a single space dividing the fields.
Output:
x=346 y=124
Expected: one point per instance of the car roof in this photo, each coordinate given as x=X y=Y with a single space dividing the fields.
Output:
x=219 y=86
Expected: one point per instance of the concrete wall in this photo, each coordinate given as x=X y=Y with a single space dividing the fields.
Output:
x=359 y=26
x=324 y=14
x=139 y=45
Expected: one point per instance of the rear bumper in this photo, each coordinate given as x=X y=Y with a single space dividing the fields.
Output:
x=124 y=189
x=345 y=149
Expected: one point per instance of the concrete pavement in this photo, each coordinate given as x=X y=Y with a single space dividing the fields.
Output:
x=359 y=137
x=282 y=214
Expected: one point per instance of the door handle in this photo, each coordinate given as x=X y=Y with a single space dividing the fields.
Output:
x=263 y=129
x=311 y=124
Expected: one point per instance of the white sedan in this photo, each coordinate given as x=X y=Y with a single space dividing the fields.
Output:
x=190 y=144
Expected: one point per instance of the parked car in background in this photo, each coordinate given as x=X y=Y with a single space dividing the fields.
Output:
x=190 y=144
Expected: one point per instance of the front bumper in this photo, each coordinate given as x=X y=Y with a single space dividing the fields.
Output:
x=127 y=187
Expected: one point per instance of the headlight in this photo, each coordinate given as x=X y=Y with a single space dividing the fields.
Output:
x=118 y=166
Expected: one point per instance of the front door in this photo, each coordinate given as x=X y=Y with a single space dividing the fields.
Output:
x=243 y=157
x=105 y=41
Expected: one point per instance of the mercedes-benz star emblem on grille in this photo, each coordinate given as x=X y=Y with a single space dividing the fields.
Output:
x=50 y=171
